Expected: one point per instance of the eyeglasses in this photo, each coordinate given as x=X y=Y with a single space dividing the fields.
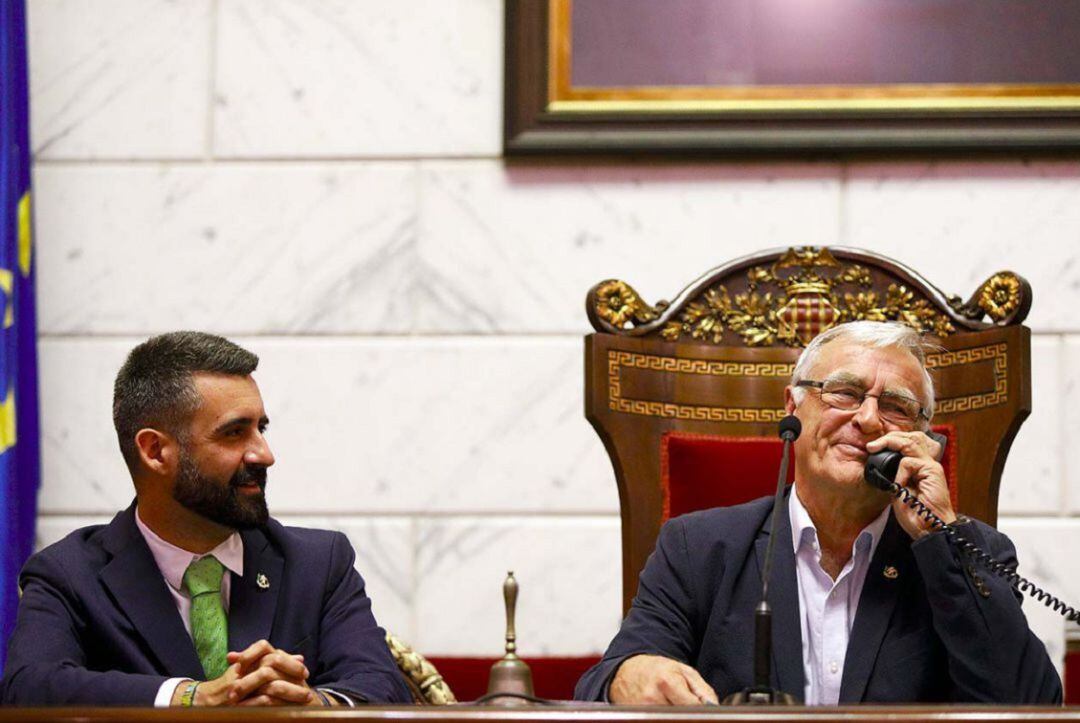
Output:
x=898 y=409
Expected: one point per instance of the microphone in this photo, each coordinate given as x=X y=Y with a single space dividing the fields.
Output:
x=761 y=693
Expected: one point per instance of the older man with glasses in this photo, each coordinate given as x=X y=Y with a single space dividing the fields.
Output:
x=887 y=610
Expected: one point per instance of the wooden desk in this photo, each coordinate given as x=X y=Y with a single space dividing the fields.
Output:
x=552 y=714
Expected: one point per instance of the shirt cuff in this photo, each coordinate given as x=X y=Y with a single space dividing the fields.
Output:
x=345 y=700
x=166 y=691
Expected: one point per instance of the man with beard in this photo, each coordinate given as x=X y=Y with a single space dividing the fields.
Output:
x=194 y=596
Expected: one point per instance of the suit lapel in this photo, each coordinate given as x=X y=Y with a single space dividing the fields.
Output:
x=253 y=597
x=133 y=579
x=784 y=600
x=887 y=578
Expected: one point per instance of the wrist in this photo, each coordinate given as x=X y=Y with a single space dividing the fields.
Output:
x=184 y=694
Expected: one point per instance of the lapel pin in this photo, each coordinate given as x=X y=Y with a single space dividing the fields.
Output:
x=262 y=581
x=891 y=573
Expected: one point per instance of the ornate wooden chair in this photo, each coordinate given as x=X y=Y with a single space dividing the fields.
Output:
x=686 y=394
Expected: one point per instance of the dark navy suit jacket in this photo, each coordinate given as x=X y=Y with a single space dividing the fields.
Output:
x=923 y=634
x=97 y=625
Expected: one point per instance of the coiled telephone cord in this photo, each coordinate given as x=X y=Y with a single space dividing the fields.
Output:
x=970 y=549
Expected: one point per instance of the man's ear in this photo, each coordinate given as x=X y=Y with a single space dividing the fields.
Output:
x=789 y=399
x=158 y=451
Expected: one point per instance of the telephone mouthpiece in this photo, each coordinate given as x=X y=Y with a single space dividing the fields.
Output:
x=790 y=428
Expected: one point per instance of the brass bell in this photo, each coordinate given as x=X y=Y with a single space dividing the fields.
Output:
x=511 y=674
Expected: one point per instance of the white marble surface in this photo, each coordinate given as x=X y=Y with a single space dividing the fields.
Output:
x=269 y=247
x=1046 y=550
x=1033 y=480
x=568 y=571
x=119 y=78
x=516 y=247
x=364 y=426
x=1070 y=422
x=385 y=558
x=958 y=223
x=345 y=78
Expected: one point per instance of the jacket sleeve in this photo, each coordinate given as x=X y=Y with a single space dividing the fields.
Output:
x=993 y=656
x=353 y=655
x=661 y=617
x=46 y=662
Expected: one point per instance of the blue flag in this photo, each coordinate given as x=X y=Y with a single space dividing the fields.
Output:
x=20 y=459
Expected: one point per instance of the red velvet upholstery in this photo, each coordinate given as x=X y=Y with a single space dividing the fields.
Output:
x=699 y=471
x=554 y=678
x=1072 y=677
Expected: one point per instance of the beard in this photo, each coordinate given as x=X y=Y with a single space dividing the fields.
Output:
x=222 y=503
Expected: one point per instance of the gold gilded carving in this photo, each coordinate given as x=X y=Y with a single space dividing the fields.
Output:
x=420 y=673
x=618 y=304
x=805 y=299
x=1004 y=297
x=1000 y=295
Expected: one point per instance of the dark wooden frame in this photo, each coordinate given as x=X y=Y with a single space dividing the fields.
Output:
x=531 y=127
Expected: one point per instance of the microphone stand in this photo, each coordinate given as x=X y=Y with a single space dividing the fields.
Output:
x=761 y=692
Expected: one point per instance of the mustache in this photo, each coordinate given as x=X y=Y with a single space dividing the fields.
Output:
x=249 y=474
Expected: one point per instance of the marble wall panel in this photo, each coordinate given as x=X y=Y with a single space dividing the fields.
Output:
x=341 y=78
x=568 y=570
x=1046 y=550
x=958 y=223
x=82 y=471
x=363 y=426
x=1070 y=421
x=515 y=248
x=385 y=558
x=119 y=78
x=269 y=247
x=53 y=528
x=1033 y=479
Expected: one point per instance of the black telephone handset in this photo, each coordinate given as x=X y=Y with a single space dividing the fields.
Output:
x=881 y=467
x=880 y=472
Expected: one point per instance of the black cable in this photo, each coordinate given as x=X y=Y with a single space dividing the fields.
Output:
x=970 y=549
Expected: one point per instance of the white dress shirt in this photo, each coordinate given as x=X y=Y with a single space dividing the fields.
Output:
x=826 y=606
x=173 y=562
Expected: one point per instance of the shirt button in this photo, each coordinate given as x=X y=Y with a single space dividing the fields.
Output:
x=833 y=667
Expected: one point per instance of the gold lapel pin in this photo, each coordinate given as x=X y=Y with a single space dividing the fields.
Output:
x=891 y=573
x=262 y=581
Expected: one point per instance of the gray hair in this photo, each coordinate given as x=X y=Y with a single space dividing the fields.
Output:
x=155 y=386
x=876 y=334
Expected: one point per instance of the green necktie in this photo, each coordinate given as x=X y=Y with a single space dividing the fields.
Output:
x=209 y=628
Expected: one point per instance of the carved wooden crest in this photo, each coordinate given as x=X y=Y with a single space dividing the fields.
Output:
x=786 y=297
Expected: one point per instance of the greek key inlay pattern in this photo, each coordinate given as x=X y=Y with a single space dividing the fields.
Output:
x=998 y=353
x=667 y=410
x=619 y=359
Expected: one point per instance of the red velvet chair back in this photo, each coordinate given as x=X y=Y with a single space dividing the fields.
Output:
x=699 y=471
x=686 y=395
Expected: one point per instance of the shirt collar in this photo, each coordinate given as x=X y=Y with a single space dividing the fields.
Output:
x=173 y=561
x=803 y=530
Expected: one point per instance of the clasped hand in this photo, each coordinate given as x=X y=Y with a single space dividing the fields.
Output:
x=261 y=675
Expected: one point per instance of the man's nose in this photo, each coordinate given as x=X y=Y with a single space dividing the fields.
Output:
x=259 y=453
x=866 y=416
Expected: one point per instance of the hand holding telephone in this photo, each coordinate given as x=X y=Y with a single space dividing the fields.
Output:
x=880 y=472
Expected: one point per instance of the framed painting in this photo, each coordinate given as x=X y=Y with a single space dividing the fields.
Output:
x=791 y=76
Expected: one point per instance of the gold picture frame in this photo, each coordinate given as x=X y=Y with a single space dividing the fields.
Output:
x=547 y=113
